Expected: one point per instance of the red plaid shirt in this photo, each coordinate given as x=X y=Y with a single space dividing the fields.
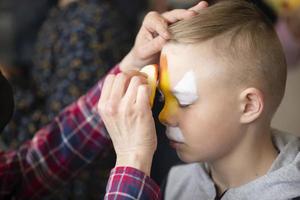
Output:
x=57 y=151
x=129 y=183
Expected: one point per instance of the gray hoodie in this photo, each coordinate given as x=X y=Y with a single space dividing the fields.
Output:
x=282 y=182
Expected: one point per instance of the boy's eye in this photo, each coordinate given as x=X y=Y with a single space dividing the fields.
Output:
x=162 y=99
x=161 y=96
x=184 y=105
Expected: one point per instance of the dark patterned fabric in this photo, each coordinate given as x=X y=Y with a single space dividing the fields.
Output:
x=57 y=152
x=75 y=47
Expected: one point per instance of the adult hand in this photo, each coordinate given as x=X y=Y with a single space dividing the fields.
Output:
x=125 y=109
x=153 y=34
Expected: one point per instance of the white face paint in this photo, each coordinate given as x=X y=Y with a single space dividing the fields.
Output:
x=175 y=134
x=186 y=93
x=186 y=89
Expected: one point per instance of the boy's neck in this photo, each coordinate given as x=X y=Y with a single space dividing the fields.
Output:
x=251 y=159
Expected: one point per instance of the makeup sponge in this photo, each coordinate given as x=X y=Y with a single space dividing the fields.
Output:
x=152 y=76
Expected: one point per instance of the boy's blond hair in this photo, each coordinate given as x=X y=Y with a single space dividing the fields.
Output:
x=246 y=40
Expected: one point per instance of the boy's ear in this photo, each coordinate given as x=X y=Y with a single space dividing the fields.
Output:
x=252 y=105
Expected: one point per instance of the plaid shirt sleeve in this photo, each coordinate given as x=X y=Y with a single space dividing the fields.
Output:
x=57 y=151
x=129 y=183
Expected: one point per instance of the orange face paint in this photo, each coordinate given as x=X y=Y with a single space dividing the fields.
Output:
x=171 y=104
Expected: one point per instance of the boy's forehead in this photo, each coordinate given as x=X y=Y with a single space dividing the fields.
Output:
x=174 y=48
x=177 y=62
x=181 y=59
x=181 y=83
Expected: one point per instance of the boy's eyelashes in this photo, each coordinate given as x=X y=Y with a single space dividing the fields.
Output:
x=161 y=98
x=184 y=105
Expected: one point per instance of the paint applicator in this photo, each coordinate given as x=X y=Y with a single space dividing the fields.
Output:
x=152 y=77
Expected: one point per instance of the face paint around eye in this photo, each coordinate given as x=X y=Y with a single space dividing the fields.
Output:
x=171 y=104
x=186 y=89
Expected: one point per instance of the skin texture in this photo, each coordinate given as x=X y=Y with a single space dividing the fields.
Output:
x=153 y=35
x=226 y=127
x=152 y=76
x=171 y=104
x=183 y=94
x=185 y=118
x=124 y=103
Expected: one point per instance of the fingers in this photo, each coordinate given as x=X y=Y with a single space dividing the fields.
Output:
x=154 y=34
x=142 y=98
x=107 y=86
x=131 y=93
x=155 y=23
x=201 y=5
x=124 y=87
x=180 y=14
x=132 y=73
x=152 y=47
x=177 y=15
x=119 y=87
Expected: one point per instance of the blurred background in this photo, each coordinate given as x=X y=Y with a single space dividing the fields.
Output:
x=53 y=51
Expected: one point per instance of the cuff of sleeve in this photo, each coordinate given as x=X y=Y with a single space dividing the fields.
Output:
x=115 y=70
x=133 y=178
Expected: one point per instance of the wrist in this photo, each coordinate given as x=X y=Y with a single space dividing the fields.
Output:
x=142 y=162
x=128 y=62
x=131 y=62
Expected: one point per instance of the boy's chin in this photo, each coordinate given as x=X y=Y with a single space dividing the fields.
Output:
x=187 y=158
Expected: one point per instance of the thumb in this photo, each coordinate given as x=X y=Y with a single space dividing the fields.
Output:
x=152 y=47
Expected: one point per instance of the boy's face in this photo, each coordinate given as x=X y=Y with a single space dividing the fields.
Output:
x=201 y=111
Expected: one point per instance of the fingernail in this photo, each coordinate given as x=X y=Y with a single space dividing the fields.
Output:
x=205 y=3
x=144 y=74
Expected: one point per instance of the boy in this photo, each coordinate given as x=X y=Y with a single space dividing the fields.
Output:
x=223 y=76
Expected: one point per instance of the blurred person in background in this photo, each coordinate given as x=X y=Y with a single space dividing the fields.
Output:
x=76 y=39
x=21 y=21
x=285 y=15
x=288 y=28
x=62 y=50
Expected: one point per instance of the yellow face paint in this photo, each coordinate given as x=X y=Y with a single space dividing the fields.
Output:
x=171 y=104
